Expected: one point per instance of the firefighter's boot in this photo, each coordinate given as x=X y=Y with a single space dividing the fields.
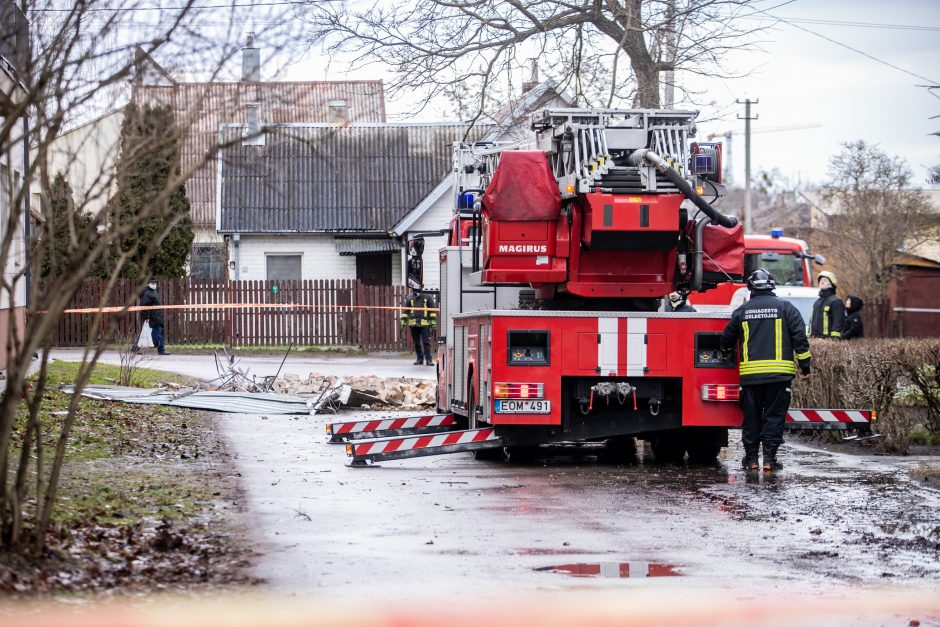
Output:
x=428 y=362
x=750 y=461
x=419 y=361
x=770 y=457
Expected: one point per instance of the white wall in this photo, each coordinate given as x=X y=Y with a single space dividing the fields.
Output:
x=11 y=181
x=87 y=156
x=319 y=257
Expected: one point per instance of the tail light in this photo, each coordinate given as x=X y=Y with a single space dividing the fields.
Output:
x=518 y=390
x=721 y=392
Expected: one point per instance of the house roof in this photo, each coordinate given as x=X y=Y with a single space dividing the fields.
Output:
x=200 y=108
x=330 y=178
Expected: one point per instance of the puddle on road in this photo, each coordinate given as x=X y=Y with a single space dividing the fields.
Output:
x=614 y=570
x=547 y=551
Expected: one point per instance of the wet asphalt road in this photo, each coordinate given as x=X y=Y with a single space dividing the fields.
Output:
x=427 y=527
x=828 y=526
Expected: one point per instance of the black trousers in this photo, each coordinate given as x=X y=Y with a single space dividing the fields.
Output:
x=422 y=339
x=765 y=411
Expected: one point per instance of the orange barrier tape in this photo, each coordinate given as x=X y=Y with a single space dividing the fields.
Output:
x=93 y=310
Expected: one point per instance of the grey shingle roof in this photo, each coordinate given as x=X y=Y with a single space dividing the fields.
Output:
x=316 y=178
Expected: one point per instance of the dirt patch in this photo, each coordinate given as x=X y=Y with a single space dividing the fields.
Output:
x=149 y=500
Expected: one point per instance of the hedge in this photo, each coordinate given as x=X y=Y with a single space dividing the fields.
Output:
x=900 y=379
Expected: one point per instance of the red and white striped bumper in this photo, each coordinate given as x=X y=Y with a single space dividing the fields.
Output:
x=830 y=418
x=388 y=426
x=421 y=445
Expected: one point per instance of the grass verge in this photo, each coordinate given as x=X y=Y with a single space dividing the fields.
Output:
x=147 y=501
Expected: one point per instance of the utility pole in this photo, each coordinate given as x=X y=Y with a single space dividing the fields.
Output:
x=748 y=223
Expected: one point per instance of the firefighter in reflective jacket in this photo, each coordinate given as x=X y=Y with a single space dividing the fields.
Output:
x=828 y=311
x=771 y=333
x=418 y=314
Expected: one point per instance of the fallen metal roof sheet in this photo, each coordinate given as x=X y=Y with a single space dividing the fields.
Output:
x=229 y=402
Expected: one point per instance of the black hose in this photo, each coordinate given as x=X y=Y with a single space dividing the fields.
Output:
x=683 y=185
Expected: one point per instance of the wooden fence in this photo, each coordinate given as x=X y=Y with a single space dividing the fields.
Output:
x=325 y=313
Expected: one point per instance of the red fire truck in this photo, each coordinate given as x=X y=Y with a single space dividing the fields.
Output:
x=561 y=251
x=787 y=258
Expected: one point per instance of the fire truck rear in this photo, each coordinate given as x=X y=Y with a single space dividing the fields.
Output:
x=561 y=253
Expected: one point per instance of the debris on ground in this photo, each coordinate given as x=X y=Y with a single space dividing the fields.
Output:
x=376 y=392
x=289 y=394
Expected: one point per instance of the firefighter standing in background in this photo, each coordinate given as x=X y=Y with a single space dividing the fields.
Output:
x=418 y=314
x=771 y=333
x=679 y=303
x=828 y=310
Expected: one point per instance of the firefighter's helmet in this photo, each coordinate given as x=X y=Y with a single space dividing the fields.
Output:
x=761 y=281
x=414 y=283
x=825 y=274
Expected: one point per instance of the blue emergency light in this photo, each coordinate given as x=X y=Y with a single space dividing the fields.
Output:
x=465 y=201
x=775 y=233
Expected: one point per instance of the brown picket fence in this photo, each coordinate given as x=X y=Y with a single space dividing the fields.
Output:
x=322 y=313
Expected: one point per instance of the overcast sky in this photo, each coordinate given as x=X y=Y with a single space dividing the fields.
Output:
x=801 y=79
x=806 y=80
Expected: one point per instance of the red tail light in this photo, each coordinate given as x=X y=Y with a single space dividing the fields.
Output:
x=518 y=390
x=721 y=392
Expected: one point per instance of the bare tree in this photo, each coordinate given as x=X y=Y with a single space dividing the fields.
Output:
x=471 y=46
x=67 y=62
x=875 y=213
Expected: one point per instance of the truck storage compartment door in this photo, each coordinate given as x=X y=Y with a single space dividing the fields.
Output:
x=621 y=347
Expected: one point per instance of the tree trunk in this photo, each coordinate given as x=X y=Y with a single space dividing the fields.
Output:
x=644 y=66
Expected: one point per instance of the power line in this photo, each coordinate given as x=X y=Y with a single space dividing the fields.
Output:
x=881 y=25
x=204 y=7
x=848 y=47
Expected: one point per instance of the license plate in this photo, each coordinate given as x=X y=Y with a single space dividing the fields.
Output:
x=523 y=407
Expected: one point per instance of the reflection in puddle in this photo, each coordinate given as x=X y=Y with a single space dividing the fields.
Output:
x=614 y=570
x=547 y=551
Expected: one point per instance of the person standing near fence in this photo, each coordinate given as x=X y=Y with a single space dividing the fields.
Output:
x=154 y=317
x=418 y=313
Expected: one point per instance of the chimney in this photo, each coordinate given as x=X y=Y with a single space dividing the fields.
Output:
x=251 y=61
x=533 y=81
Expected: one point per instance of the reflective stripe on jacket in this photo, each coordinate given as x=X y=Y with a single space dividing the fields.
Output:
x=771 y=333
x=828 y=316
x=418 y=311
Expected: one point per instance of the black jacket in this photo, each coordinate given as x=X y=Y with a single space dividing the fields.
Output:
x=418 y=310
x=771 y=333
x=150 y=298
x=853 y=321
x=684 y=308
x=828 y=315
